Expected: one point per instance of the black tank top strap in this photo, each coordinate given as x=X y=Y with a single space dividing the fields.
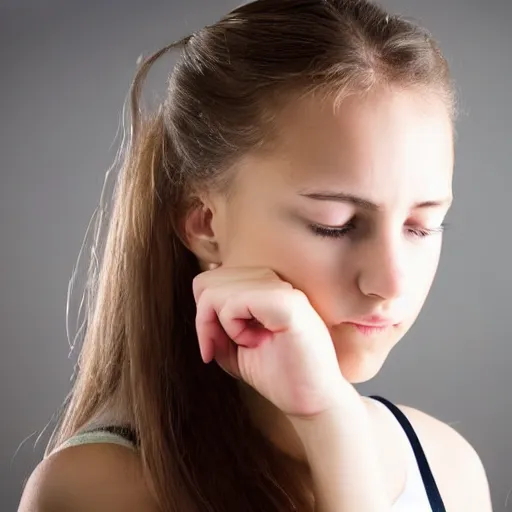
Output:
x=429 y=482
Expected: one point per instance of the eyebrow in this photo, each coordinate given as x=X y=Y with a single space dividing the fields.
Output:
x=342 y=197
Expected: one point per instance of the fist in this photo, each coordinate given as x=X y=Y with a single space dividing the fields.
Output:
x=260 y=329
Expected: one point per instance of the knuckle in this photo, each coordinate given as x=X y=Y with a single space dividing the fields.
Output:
x=207 y=295
x=197 y=284
x=268 y=272
x=285 y=285
x=299 y=297
x=271 y=276
x=298 y=294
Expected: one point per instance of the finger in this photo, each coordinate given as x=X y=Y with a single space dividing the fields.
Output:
x=274 y=310
x=214 y=343
x=218 y=275
x=212 y=320
x=207 y=289
x=203 y=280
x=252 y=317
x=226 y=356
x=209 y=331
x=245 y=331
x=199 y=284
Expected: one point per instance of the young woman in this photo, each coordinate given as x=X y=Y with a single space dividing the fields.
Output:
x=275 y=230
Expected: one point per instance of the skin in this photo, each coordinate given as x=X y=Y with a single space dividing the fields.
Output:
x=393 y=149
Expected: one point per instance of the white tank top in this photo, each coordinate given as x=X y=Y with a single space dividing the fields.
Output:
x=414 y=496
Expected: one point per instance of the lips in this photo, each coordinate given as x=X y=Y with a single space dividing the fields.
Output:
x=373 y=324
x=370 y=329
x=374 y=321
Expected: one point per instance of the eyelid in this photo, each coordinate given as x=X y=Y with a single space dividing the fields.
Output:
x=345 y=230
x=430 y=231
x=326 y=214
x=330 y=231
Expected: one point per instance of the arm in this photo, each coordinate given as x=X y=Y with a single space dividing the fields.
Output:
x=342 y=456
x=89 y=478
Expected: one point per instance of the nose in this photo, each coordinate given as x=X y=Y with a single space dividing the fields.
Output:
x=381 y=272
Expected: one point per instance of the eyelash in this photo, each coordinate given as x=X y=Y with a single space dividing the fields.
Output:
x=347 y=228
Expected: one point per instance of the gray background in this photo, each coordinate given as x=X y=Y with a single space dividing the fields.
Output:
x=65 y=70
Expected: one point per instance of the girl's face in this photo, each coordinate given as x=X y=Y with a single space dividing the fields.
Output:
x=349 y=208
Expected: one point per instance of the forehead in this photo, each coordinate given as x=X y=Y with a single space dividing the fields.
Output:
x=389 y=136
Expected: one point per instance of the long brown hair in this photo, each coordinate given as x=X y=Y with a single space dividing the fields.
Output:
x=198 y=447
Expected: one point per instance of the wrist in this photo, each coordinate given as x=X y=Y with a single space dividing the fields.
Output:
x=344 y=406
x=341 y=452
x=342 y=421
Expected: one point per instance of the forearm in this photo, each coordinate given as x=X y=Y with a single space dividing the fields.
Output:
x=342 y=456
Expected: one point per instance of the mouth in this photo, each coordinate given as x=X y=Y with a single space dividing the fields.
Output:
x=371 y=329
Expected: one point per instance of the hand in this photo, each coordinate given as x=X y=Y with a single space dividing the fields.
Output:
x=263 y=331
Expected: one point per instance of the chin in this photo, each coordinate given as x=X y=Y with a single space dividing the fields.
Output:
x=359 y=374
x=360 y=357
x=357 y=370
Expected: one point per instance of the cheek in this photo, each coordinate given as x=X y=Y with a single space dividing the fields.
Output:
x=322 y=269
x=422 y=274
x=306 y=261
x=259 y=243
x=322 y=272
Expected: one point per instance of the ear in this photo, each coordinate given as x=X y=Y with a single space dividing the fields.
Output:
x=200 y=235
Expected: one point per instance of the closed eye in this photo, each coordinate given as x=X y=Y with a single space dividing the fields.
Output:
x=331 y=232
x=424 y=232
x=340 y=232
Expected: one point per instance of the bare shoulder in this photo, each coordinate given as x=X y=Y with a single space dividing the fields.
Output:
x=94 y=477
x=457 y=468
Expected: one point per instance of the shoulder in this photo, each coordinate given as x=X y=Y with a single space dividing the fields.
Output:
x=457 y=468
x=94 y=477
